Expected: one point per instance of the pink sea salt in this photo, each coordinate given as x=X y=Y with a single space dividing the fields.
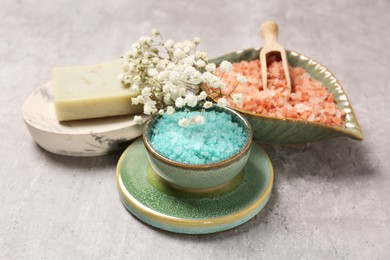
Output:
x=309 y=101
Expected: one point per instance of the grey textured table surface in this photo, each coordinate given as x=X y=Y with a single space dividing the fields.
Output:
x=330 y=201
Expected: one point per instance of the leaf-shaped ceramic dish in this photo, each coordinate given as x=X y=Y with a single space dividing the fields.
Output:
x=272 y=130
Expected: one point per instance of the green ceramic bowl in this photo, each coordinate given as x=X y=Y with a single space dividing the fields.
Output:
x=203 y=177
x=272 y=130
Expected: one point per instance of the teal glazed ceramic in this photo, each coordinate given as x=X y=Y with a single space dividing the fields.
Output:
x=149 y=198
x=204 y=176
x=272 y=130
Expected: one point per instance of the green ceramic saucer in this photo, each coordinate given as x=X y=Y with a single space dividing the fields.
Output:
x=154 y=202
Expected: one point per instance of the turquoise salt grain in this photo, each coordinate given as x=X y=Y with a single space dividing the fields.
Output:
x=216 y=140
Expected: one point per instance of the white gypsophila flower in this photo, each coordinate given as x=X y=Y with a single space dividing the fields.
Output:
x=146 y=92
x=179 y=54
x=240 y=78
x=180 y=102
x=127 y=79
x=168 y=73
x=161 y=64
x=196 y=78
x=190 y=60
x=148 y=56
x=145 y=41
x=150 y=106
x=167 y=87
x=149 y=110
x=215 y=82
x=127 y=56
x=167 y=99
x=155 y=60
x=211 y=67
x=178 y=45
x=222 y=102
x=191 y=100
x=138 y=120
x=136 y=79
x=134 y=100
x=152 y=72
x=225 y=66
x=190 y=44
x=151 y=103
x=186 y=49
x=137 y=61
x=182 y=91
x=238 y=99
x=202 y=95
x=158 y=95
x=170 y=110
x=221 y=85
x=200 y=120
x=189 y=70
x=168 y=44
x=161 y=111
x=135 y=45
x=174 y=94
x=163 y=76
x=201 y=55
x=198 y=54
x=196 y=40
x=134 y=88
x=184 y=122
x=155 y=32
x=200 y=63
x=138 y=100
x=129 y=67
x=174 y=76
x=126 y=64
x=207 y=104
x=204 y=56
x=132 y=54
x=207 y=76
x=171 y=66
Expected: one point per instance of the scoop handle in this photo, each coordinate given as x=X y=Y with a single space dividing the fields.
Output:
x=269 y=31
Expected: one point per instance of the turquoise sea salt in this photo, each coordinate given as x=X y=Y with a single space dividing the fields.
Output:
x=217 y=139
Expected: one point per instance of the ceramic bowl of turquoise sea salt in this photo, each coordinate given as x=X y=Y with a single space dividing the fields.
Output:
x=273 y=130
x=203 y=176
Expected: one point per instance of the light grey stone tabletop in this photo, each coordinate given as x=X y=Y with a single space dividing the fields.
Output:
x=331 y=199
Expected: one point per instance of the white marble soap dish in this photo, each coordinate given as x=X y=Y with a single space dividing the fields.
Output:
x=90 y=137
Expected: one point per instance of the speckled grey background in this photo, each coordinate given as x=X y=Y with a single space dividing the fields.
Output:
x=330 y=201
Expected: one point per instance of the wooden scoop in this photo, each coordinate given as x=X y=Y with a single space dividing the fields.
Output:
x=269 y=32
